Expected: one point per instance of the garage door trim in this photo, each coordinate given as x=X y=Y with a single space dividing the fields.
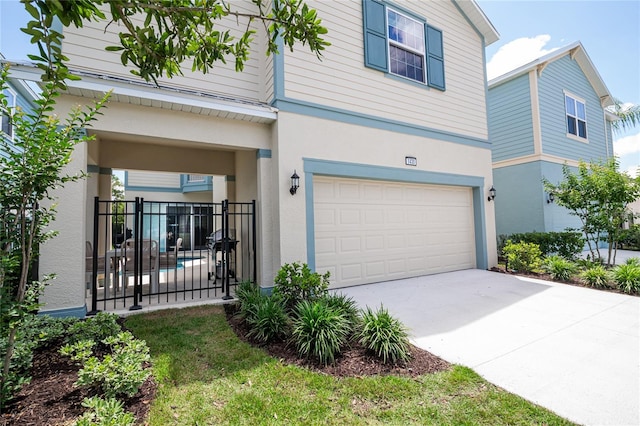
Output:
x=365 y=171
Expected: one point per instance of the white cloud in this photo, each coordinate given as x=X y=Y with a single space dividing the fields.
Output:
x=632 y=171
x=627 y=145
x=627 y=149
x=516 y=53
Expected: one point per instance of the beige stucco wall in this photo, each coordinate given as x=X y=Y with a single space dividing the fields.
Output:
x=349 y=143
x=64 y=254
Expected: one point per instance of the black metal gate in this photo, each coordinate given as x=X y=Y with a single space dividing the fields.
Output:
x=154 y=252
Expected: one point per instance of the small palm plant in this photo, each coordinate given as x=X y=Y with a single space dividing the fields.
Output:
x=559 y=268
x=319 y=330
x=596 y=276
x=268 y=320
x=627 y=277
x=384 y=335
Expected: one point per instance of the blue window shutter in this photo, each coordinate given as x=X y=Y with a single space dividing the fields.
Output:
x=375 y=35
x=435 y=58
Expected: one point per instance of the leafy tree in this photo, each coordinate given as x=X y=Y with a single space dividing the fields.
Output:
x=32 y=166
x=158 y=36
x=598 y=194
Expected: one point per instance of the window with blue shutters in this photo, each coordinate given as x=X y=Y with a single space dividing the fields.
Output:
x=401 y=44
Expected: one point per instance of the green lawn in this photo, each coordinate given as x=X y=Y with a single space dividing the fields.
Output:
x=206 y=375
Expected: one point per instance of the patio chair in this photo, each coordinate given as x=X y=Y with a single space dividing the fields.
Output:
x=150 y=261
x=88 y=267
x=169 y=259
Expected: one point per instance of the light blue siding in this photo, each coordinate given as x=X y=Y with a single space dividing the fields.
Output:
x=566 y=74
x=519 y=198
x=510 y=123
x=521 y=202
x=557 y=218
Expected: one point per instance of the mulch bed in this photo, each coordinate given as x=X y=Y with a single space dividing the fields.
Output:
x=547 y=277
x=51 y=399
x=355 y=361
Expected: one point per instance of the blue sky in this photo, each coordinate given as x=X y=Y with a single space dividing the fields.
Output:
x=609 y=31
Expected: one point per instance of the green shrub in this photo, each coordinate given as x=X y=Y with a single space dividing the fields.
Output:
x=248 y=295
x=295 y=282
x=96 y=328
x=319 y=331
x=120 y=372
x=632 y=261
x=630 y=238
x=596 y=276
x=559 y=268
x=104 y=412
x=567 y=244
x=269 y=320
x=345 y=305
x=522 y=257
x=627 y=278
x=35 y=331
x=384 y=335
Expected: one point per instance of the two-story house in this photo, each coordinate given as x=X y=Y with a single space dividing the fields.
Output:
x=388 y=134
x=543 y=115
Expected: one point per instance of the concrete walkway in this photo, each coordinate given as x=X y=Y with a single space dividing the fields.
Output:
x=573 y=350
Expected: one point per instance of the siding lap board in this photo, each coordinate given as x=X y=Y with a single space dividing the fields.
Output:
x=511 y=121
x=342 y=81
x=566 y=74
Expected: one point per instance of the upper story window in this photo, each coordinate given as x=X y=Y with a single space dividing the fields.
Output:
x=406 y=46
x=10 y=97
x=195 y=178
x=401 y=43
x=576 y=116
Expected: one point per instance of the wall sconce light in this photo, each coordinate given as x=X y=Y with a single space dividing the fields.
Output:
x=550 y=198
x=295 y=183
x=492 y=194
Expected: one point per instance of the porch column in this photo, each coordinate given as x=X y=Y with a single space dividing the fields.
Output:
x=64 y=254
x=267 y=248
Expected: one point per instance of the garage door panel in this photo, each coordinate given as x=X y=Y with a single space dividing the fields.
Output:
x=390 y=230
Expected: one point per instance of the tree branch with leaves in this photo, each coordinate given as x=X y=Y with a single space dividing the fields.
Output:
x=599 y=195
x=157 y=37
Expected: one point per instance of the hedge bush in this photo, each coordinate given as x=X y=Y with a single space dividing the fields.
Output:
x=522 y=257
x=567 y=244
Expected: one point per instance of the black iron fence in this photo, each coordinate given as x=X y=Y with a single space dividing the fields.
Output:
x=153 y=252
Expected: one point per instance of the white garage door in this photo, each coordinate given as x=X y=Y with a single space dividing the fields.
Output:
x=370 y=231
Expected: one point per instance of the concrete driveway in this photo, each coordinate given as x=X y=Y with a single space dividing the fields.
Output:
x=573 y=350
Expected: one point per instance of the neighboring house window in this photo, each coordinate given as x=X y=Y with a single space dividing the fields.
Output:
x=10 y=97
x=195 y=178
x=576 y=116
x=403 y=45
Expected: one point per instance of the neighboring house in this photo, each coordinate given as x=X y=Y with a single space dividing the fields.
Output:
x=182 y=193
x=543 y=115
x=18 y=94
x=388 y=133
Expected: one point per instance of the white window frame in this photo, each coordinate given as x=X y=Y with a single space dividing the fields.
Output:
x=10 y=95
x=576 y=100
x=402 y=46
